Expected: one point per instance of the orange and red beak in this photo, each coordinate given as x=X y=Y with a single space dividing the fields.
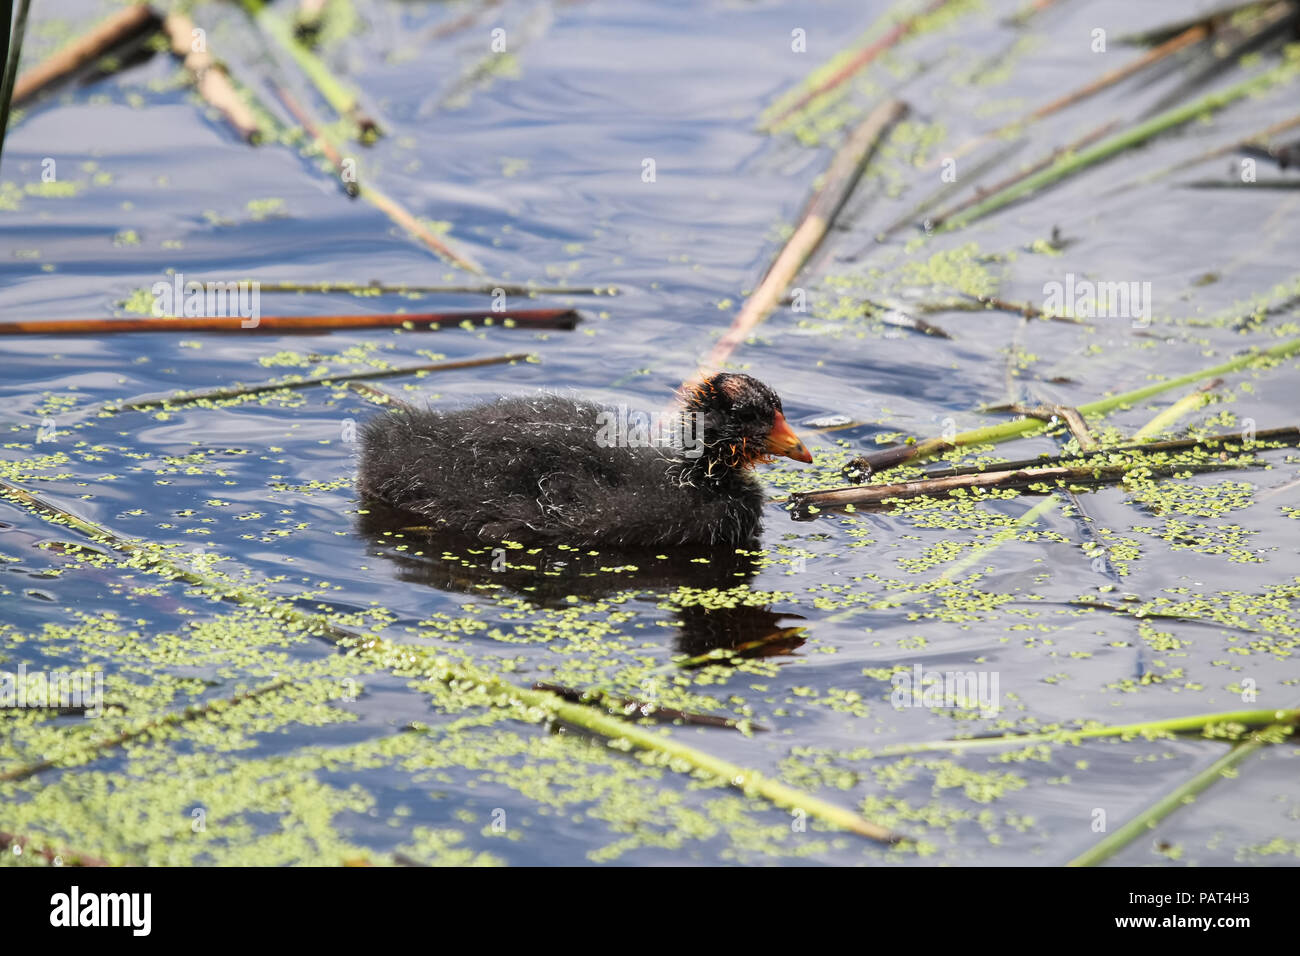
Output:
x=782 y=441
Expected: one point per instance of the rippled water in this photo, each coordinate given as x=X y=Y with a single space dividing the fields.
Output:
x=538 y=174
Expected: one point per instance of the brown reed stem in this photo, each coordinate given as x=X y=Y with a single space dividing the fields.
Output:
x=121 y=27
x=285 y=324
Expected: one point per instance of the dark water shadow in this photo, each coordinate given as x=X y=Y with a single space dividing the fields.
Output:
x=550 y=577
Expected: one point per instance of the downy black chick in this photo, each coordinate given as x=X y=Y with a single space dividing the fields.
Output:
x=552 y=469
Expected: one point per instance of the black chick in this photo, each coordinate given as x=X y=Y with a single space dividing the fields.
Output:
x=551 y=469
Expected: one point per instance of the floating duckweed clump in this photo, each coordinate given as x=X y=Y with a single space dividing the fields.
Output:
x=1230 y=541
x=1189 y=500
x=957 y=276
x=963 y=269
x=714 y=598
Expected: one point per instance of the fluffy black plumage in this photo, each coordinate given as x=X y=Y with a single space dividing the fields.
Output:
x=542 y=469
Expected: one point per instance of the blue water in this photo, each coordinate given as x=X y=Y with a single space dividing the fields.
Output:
x=539 y=176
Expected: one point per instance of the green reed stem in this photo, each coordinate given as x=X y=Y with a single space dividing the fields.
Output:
x=13 y=48
x=1005 y=431
x=343 y=100
x=1070 y=164
x=1168 y=417
x=1149 y=729
x=1180 y=796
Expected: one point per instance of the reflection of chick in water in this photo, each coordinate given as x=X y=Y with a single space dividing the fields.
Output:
x=549 y=577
